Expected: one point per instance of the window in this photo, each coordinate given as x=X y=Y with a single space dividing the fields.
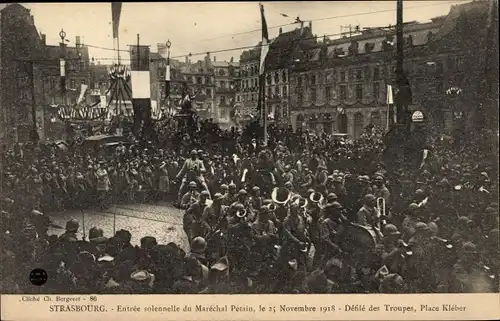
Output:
x=221 y=113
x=283 y=76
x=367 y=72
x=269 y=94
x=276 y=78
x=199 y=80
x=451 y=63
x=222 y=100
x=285 y=91
x=207 y=80
x=439 y=68
x=299 y=81
x=459 y=62
x=439 y=87
x=83 y=81
x=72 y=84
x=300 y=98
x=343 y=92
x=222 y=84
x=328 y=93
x=376 y=73
x=221 y=72
x=268 y=79
x=359 y=91
x=313 y=94
x=376 y=90
x=342 y=76
x=359 y=74
x=313 y=79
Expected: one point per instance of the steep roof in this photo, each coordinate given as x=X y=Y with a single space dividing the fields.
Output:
x=288 y=46
x=472 y=10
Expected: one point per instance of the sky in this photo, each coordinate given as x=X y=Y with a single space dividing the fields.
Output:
x=202 y=27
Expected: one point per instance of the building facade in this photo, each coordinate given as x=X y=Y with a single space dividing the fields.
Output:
x=248 y=93
x=226 y=76
x=20 y=74
x=341 y=86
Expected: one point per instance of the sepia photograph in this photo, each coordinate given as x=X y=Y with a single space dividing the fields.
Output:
x=295 y=147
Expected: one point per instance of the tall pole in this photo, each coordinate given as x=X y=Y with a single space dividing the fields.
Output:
x=264 y=108
x=34 y=135
x=399 y=39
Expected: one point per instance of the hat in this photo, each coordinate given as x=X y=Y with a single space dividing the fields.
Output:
x=198 y=245
x=242 y=192
x=192 y=184
x=148 y=241
x=310 y=191
x=96 y=235
x=194 y=152
x=85 y=258
x=331 y=197
x=224 y=186
x=391 y=229
x=288 y=184
x=106 y=258
x=232 y=185
x=292 y=264
x=369 y=198
x=72 y=225
x=422 y=227
x=123 y=235
x=364 y=178
x=469 y=248
x=337 y=179
x=205 y=193
x=218 y=196
x=255 y=189
x=142 y=276
x=221 y=265
x=412 y=207
x=392 y=283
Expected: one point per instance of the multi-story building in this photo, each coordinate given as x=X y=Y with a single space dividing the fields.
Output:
x=226 y=75
x=77 y=71
x=20 y=74
x=200 y=80
x=247 y=95
x=342 y=86
x=285 y=50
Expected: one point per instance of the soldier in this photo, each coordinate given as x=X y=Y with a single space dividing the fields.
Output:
x=410 y=221
x=190 y=197
x=469 y=274
x=256 y=200
x=421 y=274
x=328 y=227
x=394 y=249
x=295 y=243
x=380 y=190
x=193 y=222
x=191 y=170
x=231 y=196
x=368 y=215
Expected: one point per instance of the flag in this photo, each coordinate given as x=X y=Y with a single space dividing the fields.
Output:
x=390 y=110
x=62 y=66
x=167 y=79
x=264 y=49
x=83 y=90
x=116 y=8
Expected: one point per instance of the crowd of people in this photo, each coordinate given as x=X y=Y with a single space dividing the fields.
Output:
x=304 y=213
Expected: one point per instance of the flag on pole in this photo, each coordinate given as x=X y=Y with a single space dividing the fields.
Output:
x=62 y=66
x=116 y=8
x=390 y=103
x=83 y=90
x=264 y=49
x=167 y=79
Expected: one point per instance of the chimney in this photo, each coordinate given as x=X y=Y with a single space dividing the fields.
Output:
x=32 y=20
x=310 y=25
x=77 y=41
x=44 y=38
x=215 y=59
x=187 y=60
x=281 y=30
x=231 y=60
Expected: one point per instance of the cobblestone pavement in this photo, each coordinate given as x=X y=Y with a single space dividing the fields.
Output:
x=160 y=220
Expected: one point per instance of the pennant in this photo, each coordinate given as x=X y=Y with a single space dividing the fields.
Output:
x=83 y=90
x=62 y=66
x=264 y=49
x=116 y=8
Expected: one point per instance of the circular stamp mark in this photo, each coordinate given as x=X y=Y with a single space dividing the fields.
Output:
x=38 y=277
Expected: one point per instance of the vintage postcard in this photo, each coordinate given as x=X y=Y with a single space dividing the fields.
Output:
x=304 y=160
